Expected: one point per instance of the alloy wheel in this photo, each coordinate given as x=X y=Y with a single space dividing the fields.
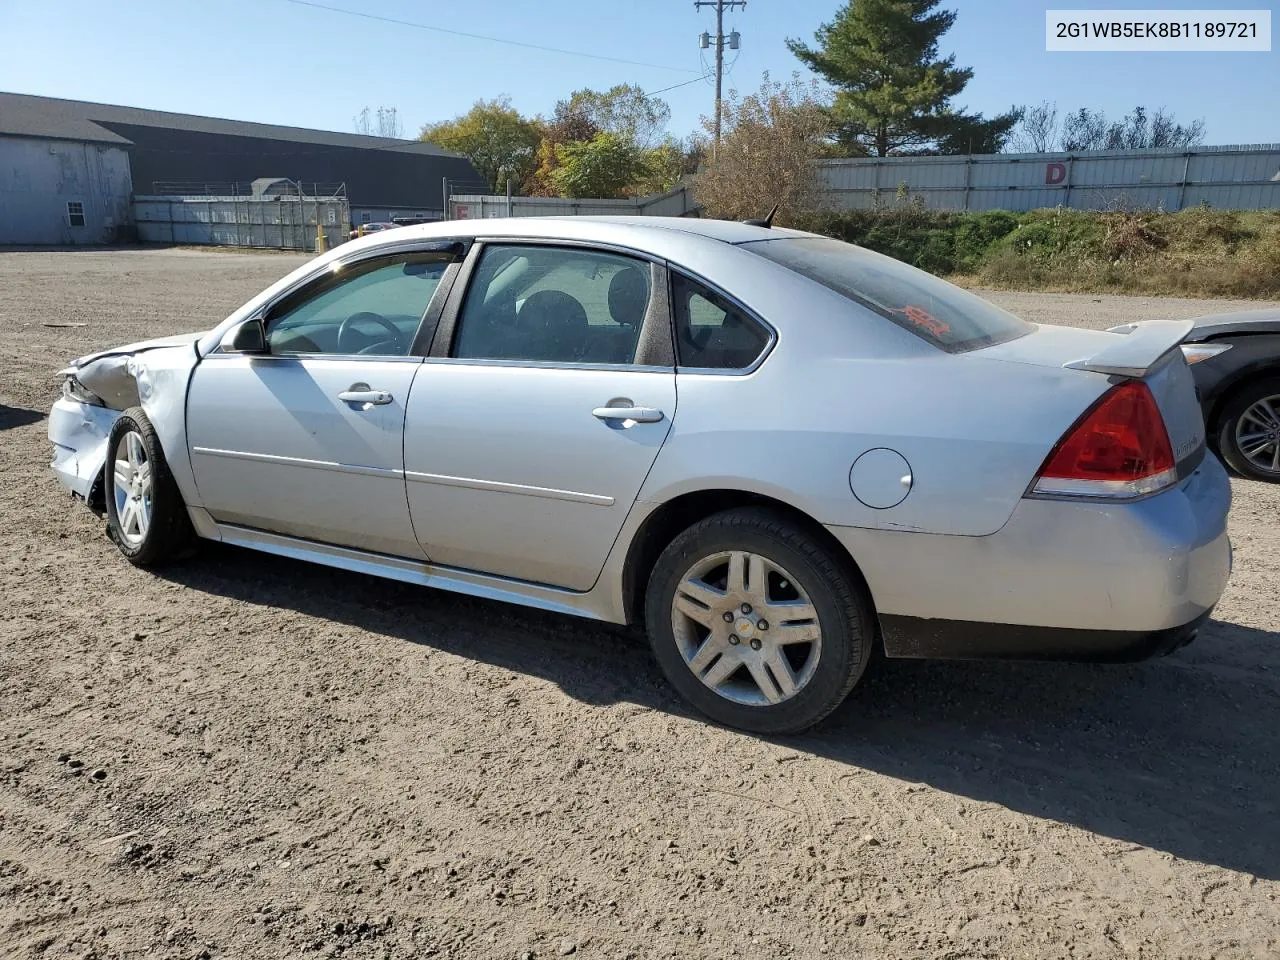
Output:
x=746 y=628
x=1258 y=434
x=132 y=488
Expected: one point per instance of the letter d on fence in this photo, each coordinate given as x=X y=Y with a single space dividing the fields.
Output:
x=1055 y=173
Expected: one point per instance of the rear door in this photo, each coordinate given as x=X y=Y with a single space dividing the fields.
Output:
x=548 y=393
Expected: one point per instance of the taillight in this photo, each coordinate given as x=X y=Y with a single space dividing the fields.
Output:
x=1119 y=448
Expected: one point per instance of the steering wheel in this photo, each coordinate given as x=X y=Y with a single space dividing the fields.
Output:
x=348 y=325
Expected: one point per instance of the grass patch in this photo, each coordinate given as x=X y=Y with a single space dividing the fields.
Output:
x=1194 y=253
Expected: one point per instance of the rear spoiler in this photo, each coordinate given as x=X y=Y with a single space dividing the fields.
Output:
x=1139 y=348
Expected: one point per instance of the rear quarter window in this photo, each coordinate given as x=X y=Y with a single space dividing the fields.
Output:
x=938 y=312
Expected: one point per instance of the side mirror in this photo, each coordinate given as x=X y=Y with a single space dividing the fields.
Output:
x=246 y=337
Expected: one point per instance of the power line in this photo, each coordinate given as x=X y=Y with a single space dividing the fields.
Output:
x=480 y=36
x=675 y=86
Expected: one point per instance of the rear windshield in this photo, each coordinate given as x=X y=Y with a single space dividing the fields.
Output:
x=934 y=310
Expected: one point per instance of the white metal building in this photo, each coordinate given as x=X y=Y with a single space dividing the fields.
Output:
x=68 y=167
x=57 y=190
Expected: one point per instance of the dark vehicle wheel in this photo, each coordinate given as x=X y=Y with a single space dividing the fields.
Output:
x=145 y=514
x=1249 y=430
x=756 y=624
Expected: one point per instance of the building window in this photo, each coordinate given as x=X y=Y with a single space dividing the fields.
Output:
x=75 y=213
x=365 y=216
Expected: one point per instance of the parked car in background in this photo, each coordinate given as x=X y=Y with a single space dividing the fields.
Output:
x=364 y=229
x=771 y=449
x=1235 y=359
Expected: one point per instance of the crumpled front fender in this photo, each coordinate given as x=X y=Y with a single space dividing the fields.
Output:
x=162 y=377
x=155 y=379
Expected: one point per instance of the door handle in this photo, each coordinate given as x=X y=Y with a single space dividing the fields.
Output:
x=634 y=414
x=365 y=396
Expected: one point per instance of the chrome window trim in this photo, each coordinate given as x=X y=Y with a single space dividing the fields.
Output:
x=721 y=371
x=221 y=354
x=675 y=269
x=546 y=364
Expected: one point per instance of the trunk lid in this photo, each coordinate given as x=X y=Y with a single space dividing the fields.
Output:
x=1149 y=352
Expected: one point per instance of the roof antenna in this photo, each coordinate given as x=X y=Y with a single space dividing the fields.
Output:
x=767 y=222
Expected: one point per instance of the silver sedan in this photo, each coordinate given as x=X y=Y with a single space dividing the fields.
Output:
x=775 y=451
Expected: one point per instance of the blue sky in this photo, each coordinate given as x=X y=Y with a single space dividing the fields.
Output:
x=281 y=62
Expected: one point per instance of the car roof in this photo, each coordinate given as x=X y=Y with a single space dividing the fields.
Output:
x=651 y=234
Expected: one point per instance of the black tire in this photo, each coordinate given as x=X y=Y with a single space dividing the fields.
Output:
x=844 y=614
x=1240 y=400
x=169 y=535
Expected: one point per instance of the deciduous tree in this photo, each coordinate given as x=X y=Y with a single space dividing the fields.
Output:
x=625 y=110
x=669 y=162
x=770 y=142
x=384 y=122
x=499 y=142
x=1141 y=129
x=1036 y=130
x=603 y=166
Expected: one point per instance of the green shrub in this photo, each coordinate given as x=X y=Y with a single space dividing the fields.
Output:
x=975 y=235
x=1198 y=252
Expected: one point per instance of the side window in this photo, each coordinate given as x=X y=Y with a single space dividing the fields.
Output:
x=553 y=304
x=372 y=308
x=711 y=333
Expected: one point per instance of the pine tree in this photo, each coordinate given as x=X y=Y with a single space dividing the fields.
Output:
x=893 y=91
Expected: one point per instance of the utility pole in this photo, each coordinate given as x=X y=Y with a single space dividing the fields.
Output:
x=720 y=40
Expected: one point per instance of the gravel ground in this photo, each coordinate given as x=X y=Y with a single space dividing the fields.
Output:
x=249 y=757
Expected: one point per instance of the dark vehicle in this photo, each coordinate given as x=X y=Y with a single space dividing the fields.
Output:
x=1235 y=358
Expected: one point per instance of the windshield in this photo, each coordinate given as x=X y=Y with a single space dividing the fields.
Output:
x=934 y=310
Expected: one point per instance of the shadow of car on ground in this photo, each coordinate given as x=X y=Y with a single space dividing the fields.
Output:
x=1179 y=754
x=11 y=417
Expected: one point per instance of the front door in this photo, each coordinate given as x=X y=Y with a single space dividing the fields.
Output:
x=528 y=440
x=307 y=440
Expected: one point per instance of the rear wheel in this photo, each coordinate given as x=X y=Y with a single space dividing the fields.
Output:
x=756 y=624
x=1249 y=430
x=145 y=514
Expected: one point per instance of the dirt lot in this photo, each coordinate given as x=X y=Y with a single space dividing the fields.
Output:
x=248 y=757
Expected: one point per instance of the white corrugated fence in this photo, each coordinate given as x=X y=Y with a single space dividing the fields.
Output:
x=1245 y=177
x=1235 y=178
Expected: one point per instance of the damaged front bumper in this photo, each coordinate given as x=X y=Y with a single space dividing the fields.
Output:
x=78 y=432
x=152 y=375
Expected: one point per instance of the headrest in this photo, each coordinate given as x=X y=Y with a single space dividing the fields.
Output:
x=628 y=296
x=557 y=321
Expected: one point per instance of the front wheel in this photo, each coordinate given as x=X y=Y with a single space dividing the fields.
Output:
x=757 y=624
x=145 y=514
x=1249 y=431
